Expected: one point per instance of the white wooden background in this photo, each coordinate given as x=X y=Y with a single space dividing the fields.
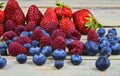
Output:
x=107 y=12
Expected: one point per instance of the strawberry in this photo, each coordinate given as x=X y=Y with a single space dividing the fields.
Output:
x=34 y=14
x=66 y=24
x=14 y=12
x=92 y=35
x=1 y=30
x=84 y=20
x=49 y=17
x=2 y=16
x=62 y=10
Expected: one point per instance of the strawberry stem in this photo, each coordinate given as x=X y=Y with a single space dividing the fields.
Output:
x=1 y=5
x=61 y=4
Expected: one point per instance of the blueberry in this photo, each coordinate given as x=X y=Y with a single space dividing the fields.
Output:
x=59 y=54
x=24 y=33
x=28 y=46
x=3 y=62
x=45 y=33
x=76 y=59
x=112 y=30
x=91 y=48
x=3 y=52
x=102 y=63
x=106 y=51
x=114 y=40
x=68 y=41
x=38 y=27
x=8 y=42
x=119 y=39
x=103 y=39
x=47 y=50
x=101 y=32
x=39 y=59
x=3 y=46
x=116 y=49
x=34 y=50
x=59 y=64
x=110 y=35
x=103 y=44
x=30 y=34
x=21 y=58
x=14 y=38
x=35 y=43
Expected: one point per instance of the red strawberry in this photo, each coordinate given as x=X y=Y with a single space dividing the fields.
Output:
x=31 y=26
x=14 y=12
x=49 y=17
x=2 y=16
x=1 y=29
x=34 y=14
x=92 y=35
x=84 y=20
x=62 y=11
x=66 y=24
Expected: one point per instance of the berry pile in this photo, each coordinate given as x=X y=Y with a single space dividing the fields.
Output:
x=49 y=34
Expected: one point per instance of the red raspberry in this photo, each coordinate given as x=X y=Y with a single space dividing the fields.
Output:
x=58 y=43
x=31 y=26
x=92 y=35
x=23 y=40
x=56 y=33
x=9 y=26
x=37 y=33
x=76 y=47
x=51 y=27
x=15 y=48
x=45 y=41
x=1 y=29
x=73 y=34
x=19 y=29
x=9 y=35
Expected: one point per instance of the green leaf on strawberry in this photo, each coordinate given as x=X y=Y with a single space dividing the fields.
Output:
x=1 y=5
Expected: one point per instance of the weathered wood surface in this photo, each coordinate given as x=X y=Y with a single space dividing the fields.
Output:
x=107 y=12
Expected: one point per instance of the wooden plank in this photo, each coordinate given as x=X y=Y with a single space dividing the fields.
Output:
x=72 y=3
x=86 y=68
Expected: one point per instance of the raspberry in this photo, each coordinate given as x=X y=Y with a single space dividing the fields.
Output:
x=1 y=29
x=92 y=35
x=9 y=35
x=15 y=48
x=37 y=33
x=19 y=29
x=51 y=27
x=45 y=41
x=23 y=40
x=76 y=47
x=31 y=26
x=9 y=26
x=56 y=33
x=58 y=43
x=73 y=34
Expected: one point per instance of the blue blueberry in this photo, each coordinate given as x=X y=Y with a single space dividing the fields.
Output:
x=38 y=27
x=114 y=40
x=3 y=52
x=21 y=58
x=3 y=46
x=14 y=38
x=119 y=39
x=76 y=59
x=59 y=54
x=116 y=49
x=34 y=50
x=106 y=51
x=39 y=59
x=91 y=48
x=101 y=32
x=45 y=33
x=103 y=44
x=110 y=36
x=35 y=43
x=112 y=30
x=3 y=62
x=68 y=41
x=47 y=50
x=24 y=33
x=8 y=42
x=103 y=39
x=59 y=64
x=30 y=33
x=102 y=63
x=28 y=46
